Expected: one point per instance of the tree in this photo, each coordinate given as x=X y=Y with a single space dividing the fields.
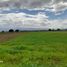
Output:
x=58 y=29
x=49 y=30
x=11 y=30
x=17 y=30
x=53 y=29
x=3 y=31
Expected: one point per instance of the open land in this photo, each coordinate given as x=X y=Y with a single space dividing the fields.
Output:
x=33 y=49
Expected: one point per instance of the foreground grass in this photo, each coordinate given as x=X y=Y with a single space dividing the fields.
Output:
x=35 y=49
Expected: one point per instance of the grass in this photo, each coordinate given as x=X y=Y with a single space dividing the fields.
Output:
x=34 y=49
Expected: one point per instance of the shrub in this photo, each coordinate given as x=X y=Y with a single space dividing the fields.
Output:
x=49 y=30
x=11 y=30
x=17 y=30
x=3 y=31
x=58 y=29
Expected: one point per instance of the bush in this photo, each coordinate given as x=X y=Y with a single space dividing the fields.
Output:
x=53 y=29
x=17 y=30
x=3 y=31
x=49 y=30
x=58 y=29
x=11 y=30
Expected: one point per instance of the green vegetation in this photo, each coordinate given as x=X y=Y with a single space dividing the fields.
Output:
x=35 y=49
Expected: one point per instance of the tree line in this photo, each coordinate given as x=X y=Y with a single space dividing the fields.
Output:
x=17 y=30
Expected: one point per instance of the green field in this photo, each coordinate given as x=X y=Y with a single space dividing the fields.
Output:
x=34 y=49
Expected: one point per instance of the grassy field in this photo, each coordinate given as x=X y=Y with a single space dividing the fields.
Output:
x=33 y=49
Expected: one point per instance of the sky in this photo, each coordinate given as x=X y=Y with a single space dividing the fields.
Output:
x=33 y=14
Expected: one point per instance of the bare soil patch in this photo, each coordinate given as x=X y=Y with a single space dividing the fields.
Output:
x=7 y=36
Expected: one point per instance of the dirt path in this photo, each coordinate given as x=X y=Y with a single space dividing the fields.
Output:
x=8 y=36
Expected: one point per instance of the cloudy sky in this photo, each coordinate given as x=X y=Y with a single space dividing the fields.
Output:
x=33 y=14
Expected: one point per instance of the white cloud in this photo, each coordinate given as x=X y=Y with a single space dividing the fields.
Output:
x=3 y=0
x=51 y=5
x=40 y=20
x=61 y=6
x=22 y=20
x=26 y=21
